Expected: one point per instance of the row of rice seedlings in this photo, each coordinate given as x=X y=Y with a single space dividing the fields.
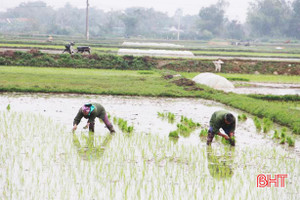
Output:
x=266 y=125
x=283 y=137
x=203 y=133
x=189 y=122
x=242 y=117
x=184 y=128
x=170 y=116
x=123 y=125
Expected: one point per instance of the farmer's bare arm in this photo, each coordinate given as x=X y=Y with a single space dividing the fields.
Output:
x=223 y=135
x=74 y=127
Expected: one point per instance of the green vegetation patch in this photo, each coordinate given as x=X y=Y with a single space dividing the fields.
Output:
x=36 y=58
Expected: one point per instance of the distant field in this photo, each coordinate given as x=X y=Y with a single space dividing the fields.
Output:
x=246 y=54
x=291 y=51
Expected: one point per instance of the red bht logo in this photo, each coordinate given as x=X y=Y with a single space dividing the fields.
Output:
x=266 y=181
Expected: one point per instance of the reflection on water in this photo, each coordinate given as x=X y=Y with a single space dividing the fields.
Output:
x=220 y=163
x=88 y=149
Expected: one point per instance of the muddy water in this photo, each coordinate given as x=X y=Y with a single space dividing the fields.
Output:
x=268 y=88
x=140 y=112
x=233 y=163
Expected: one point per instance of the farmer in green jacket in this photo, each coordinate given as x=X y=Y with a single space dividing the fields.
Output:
x=225 y=120
x=90 y=111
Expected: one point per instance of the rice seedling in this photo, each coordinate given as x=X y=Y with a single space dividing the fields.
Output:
x=224 y=141
x=242 y=117
x=170 y=116
x=189 y=122
x=257 y=124
x=291 y=141
x=174 y=134
x=283 y=133
x=203 y=133
x=276 y=135
x=8 y=107
x=282 y=141
x=183 y=130
x=123 y=125
x=267 y=125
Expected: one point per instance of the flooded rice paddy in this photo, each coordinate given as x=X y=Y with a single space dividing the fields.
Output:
x=42 y=159
x=267 y=88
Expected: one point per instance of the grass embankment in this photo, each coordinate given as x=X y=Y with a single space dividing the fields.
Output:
x=90 y=81
x=145 y=83
x=108 y=61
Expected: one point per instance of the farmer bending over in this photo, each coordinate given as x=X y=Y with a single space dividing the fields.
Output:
x=221 y=119
x=90 y=111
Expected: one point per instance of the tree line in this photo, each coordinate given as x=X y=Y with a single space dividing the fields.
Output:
x=264 y=19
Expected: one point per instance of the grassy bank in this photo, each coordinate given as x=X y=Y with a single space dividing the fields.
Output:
x=109 y=61
x=90 y=81
x=145 y=83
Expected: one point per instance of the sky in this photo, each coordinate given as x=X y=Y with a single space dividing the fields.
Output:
x=237 y=9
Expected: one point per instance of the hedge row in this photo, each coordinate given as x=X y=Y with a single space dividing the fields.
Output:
x=36 y=58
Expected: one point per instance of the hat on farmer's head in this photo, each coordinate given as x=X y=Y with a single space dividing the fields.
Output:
x=229 y=118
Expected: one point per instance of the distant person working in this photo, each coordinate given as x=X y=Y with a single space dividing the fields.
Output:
x=225 y=120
